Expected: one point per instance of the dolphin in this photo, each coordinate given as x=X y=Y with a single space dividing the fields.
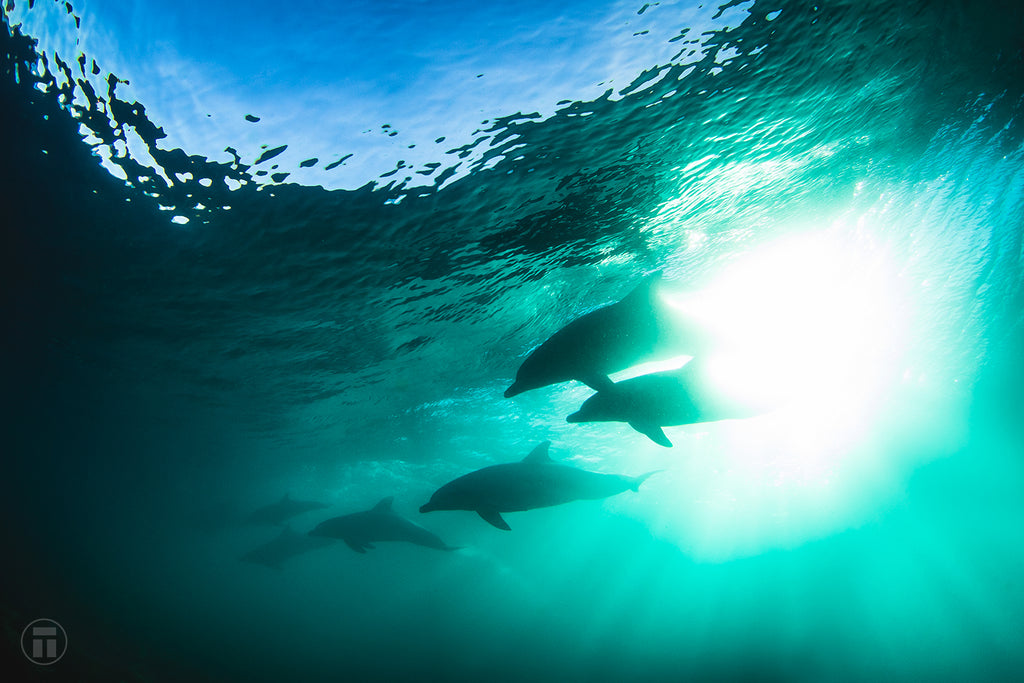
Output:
x=604 y=341
x=535 y=482
x=282 y=510
x=360 y=530
x=675 y=397
x=288 y=544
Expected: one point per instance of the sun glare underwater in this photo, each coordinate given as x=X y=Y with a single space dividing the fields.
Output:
x=750 y=277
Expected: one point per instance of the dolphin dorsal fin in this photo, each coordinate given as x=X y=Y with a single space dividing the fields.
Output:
x=539 y=453
x=644 y=289
x=384 y=505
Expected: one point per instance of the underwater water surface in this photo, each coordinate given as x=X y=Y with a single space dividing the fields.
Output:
x=268 y=265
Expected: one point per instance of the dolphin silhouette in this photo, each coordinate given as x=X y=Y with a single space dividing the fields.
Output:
x=283 y=510
x=535 y=482
x=604 y=341
x=360 y=530
x=286 y=545
x=675 y=397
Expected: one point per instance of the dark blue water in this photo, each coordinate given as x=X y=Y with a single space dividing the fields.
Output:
x=196 y=324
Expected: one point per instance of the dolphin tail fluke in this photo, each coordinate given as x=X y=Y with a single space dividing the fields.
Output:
x=634 y=482
x=652 y=432
x=494 y=518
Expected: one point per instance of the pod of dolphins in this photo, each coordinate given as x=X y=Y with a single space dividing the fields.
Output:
x=589 y=349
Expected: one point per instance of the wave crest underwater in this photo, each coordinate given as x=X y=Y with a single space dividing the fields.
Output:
x=315 y=270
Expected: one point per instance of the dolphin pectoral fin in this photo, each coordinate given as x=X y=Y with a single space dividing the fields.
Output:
x=598 y=382
x=635 y=482
x=355 y=546
x=494 y=517
x=652 y=432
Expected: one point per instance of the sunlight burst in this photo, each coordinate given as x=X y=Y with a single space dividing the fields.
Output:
x=815 y=325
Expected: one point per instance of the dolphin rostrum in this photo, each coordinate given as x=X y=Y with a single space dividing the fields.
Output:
x=671 y=398
x=287 y=545
x=283 y=510
x=535 y=482
x=637 y=329
x=360 y=530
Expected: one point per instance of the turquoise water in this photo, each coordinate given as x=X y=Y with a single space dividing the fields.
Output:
x=196 y=326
